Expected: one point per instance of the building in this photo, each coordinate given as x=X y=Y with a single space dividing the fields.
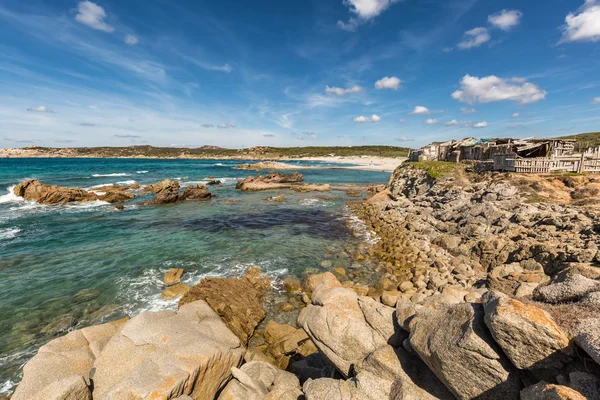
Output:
x=516 y=155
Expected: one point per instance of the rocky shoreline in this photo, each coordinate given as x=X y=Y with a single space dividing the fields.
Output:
x=489 y=288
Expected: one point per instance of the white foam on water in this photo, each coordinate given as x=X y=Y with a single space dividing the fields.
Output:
x=115 y=174
x=141 y=172
x=9 y=233
x=129 y=182
x=219 y=164
x=358 y=226
x=11 y=197
x=7 y=387
x=312 y=202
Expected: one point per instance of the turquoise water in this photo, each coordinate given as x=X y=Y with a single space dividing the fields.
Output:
x=65 y=267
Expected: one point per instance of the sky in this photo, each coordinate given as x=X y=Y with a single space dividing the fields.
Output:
x=236 y=73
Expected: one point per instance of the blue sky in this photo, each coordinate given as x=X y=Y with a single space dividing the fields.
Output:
x=295 y=73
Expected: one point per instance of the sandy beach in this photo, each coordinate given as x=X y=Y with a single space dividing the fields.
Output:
x=366 y=163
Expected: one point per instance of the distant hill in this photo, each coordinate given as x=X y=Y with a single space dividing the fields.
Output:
x=585 y=140
x=206 y=152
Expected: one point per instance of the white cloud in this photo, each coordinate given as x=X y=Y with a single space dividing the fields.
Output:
x=92 y=15
x=480 y=125
x=451 y=123
x=474 y=38
x=491 y=88
x=596 y=100
x=207 y=125
x=270 y=135
x=420 y=110
x=42 y=109
x=516 y=115
x=402 y=121
x=226 y=125
x=341 y=92
x=364 y=10
x=466 y=110
x=362 y=120
x=405 y=139
x=431 y=121
x=388 y=83
x=506 y=19
x=584 y=25
x=131 y=40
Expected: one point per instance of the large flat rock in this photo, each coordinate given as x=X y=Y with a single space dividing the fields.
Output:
x=527 y=334
x=61 y=368
x=166 y=354
x=454 y=343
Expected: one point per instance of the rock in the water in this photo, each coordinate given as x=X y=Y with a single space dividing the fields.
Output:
x=177 y=290
x=346 y=327
x=587 y=336
x=170 y=194
x=273 y=180
x=164 y=186
x=527 y=334
x=259 y=380
x=52 y=194
x=571 y=289
x=455 y=344
x=167 y=354
x=277 y=199
x=236 y=301
x=196 y=193
x=60 y=370
x=546 y=391
x=173 y=276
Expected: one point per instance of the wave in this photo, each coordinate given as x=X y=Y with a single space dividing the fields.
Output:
x=9 y=233
x=7 y=387
x=141 y=172
x=219 y=164
x=129 y=182
x=115 y=174
x=11 y=196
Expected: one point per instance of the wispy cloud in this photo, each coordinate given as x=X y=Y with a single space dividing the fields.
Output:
x=227 y=125
x=127 y=136
x=506 y=19
x=131 y=40
x=474 y=38
x=92 y=15
x=41 y=109
x=342 y=92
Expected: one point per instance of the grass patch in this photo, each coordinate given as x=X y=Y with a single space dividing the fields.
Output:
x=585 y=140
x=438 y=169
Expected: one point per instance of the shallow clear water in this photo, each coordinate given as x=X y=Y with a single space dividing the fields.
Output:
x=65 y=267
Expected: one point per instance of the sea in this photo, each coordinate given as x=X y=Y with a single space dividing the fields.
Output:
x=64 y=267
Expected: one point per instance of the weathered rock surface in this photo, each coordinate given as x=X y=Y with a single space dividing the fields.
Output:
x=60 y=370
x=345 y=326
x=259 y=380
x=236 y=300
x=587 y=336
x=167 y=354
x=285 y=341
x=455 y=344
x=546 y=391
x=53 y=194
x=527 y=334
x=571 y=289
x=173 y=276
x=164 y=186
x=273 y=180
x=168 y=195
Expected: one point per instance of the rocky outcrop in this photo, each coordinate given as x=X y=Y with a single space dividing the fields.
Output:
x=347 y=327
x=259 y=380
x=167 y=354
x=173 y=276
x=546 y=391
x=168 y=194
x=52 y=194
x=164 y=186
x=527 y=334
x=61 y=368
x=273 y=180
x=587 y=336
x=572 y=288
x=236 y=300
x=455 y=344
